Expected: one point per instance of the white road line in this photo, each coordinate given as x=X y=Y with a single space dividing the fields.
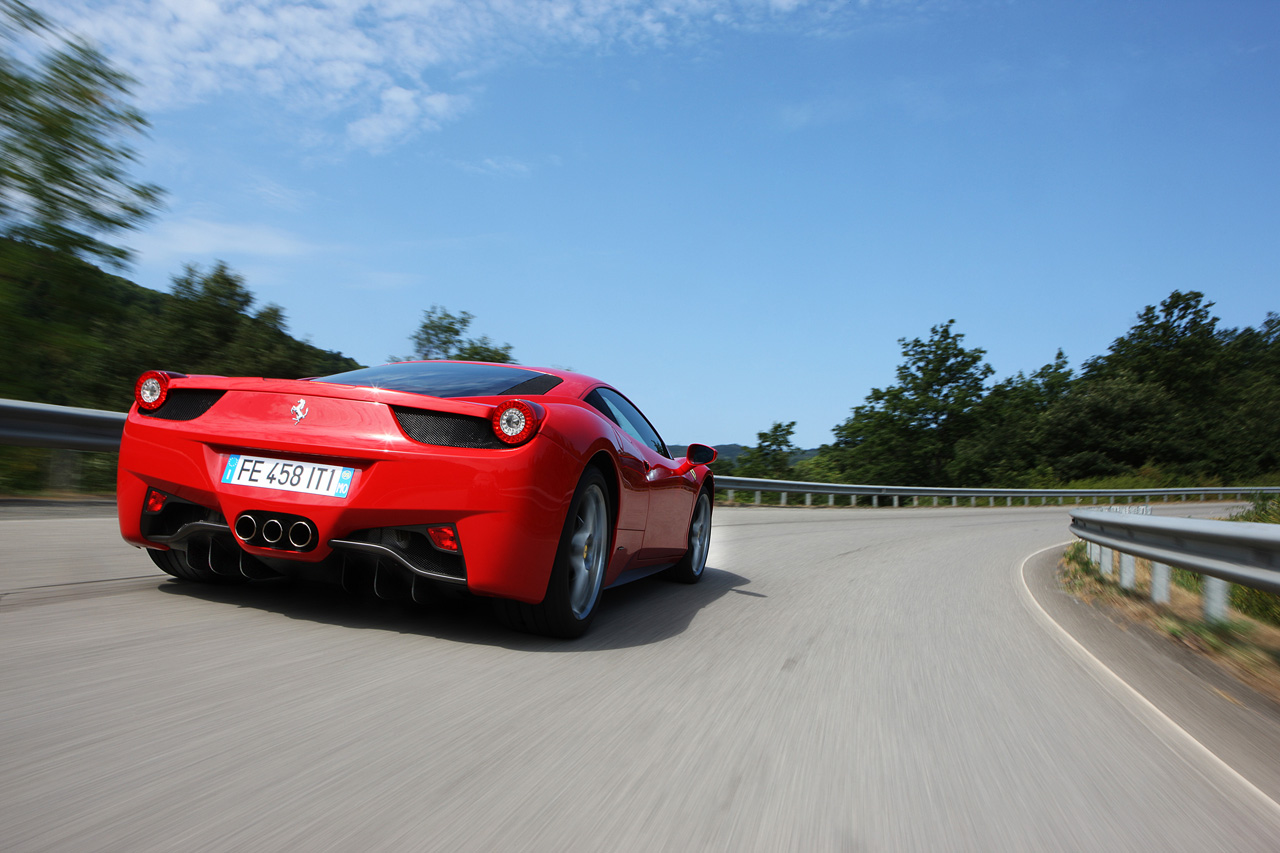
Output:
x=1158 y=722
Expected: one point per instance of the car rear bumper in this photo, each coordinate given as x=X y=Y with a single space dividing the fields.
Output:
x=507 y=506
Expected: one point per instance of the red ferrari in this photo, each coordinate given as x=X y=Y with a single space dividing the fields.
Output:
x=537 y=488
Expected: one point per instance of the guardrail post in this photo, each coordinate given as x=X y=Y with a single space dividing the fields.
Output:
x=784 y=498
x=895 y=502
x=808 y=498
x=831 y=500
x=1214 y=598
x=757 y=498
x=915 y=500
x=953 y=500
x=730 y=495
x=1105 y=562
x=1127 y=571
x=875 y=501
x=1159 y=583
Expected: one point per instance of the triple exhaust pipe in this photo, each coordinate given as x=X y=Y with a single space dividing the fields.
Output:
x=274 y=530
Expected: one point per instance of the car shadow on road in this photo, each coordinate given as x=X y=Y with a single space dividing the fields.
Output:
x=646 y=611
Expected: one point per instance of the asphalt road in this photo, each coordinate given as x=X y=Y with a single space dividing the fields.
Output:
x=840 y=681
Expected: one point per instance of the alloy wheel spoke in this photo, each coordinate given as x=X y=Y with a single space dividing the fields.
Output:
x=586 y=553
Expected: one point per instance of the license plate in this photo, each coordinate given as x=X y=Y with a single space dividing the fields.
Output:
x=308 y=477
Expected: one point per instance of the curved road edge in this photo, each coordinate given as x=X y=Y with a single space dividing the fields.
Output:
x=1225 y=730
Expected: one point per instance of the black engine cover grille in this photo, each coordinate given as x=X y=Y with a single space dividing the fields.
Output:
x=446 y=429
x=184 y=404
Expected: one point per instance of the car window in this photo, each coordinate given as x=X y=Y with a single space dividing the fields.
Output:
x=448 y=379
x=621 y=411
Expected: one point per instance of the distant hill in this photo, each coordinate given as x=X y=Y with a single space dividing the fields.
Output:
x=733 y=451
x=725 y=451
x=75 y=335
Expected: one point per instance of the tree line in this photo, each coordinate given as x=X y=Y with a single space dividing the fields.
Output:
x=76 y=334
x=1178 y=400
x=72 y=332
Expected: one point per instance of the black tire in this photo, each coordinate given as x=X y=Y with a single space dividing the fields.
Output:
x=573 y=591
x=175 y=563
x=694 y=561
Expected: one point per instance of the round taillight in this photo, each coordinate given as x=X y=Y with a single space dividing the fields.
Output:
x=152 y=388
x=515 y=421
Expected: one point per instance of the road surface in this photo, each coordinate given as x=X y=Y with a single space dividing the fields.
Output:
x=841 y=680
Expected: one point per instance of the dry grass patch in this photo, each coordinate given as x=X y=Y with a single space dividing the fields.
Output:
x=1246 y=648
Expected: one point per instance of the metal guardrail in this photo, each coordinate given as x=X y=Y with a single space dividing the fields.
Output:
x=59 y=427
x=68 y=428
x=1224 y=552
x=896 y=493
x=1235 y=551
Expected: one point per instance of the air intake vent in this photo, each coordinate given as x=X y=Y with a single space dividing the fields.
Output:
x=446 y=429
x=184 y=404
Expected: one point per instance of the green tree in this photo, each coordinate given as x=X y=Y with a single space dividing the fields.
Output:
x=440 y=336
x=819 y=468
x=1107 y=427
x=64 y=160
x=1004 y=446
x=205 y=318
x=206 y=325
x=1176 y=345
x=483 y=349
x=1159 y=398
x=1246 y=441
x=906 y=434
x=771 y=457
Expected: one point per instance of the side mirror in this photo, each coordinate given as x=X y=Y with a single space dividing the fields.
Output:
x=700 y=454
x=697 y=454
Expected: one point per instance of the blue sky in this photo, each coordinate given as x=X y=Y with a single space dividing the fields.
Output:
x=730 y=209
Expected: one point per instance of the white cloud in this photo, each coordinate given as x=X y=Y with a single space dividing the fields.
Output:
x=403 y=113
x=183 y=239
x=366 y=63
x=279 y=196
x=500 y=165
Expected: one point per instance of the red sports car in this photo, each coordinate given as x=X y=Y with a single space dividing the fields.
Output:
x=538 y=488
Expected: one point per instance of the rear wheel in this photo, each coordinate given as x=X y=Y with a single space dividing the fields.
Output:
x=694 y=561
x=175 y=563
x=573 y=592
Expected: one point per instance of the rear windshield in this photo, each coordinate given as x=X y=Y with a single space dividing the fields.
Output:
x=448 y=379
